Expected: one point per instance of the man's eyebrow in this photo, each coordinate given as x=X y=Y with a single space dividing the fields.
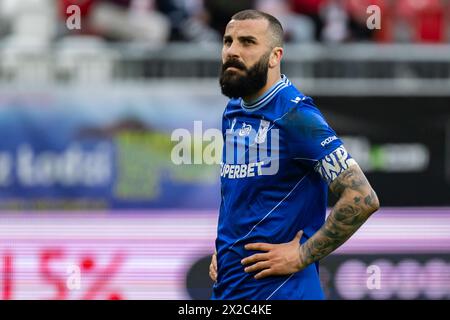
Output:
x=241 y=38
x=252 y=38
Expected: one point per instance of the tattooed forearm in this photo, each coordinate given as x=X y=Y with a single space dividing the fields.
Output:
x=353 y=179
x=357 y=201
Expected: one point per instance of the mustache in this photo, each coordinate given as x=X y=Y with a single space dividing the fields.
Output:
x=233 y=63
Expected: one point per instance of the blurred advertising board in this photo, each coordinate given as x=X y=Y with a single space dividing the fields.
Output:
x=401 y=143
x=401 y=253
x=104 y=149
x=81 y=148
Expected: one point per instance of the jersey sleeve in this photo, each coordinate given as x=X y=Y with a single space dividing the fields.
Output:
x=314 y=143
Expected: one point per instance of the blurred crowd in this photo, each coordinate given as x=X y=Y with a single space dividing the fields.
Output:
x=203 y=21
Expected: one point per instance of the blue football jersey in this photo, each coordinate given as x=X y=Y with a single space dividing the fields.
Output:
x=278 y=158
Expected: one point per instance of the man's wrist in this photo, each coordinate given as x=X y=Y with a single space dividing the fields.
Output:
x=302 y=259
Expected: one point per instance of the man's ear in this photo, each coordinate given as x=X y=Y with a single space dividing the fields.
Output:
x=275 y=57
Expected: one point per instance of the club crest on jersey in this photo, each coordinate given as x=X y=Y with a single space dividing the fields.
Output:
x=245 y=130
x=262 y=132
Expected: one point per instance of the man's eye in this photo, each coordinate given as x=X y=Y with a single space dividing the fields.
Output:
x=226 y=41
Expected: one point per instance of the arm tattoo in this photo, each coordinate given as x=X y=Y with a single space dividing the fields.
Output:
x=357 y=201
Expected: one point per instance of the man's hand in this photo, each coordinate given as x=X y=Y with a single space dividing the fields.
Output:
x=213 y=267
x=279 y=259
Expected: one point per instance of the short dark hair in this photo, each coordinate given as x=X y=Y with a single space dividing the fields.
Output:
x=275 y=26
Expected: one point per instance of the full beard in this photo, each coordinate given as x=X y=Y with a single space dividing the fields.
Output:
x=245 y=82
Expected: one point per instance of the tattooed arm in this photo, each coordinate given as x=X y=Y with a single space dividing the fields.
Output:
x=357 y=201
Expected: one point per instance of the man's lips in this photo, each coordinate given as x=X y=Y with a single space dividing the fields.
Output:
x=233 y=69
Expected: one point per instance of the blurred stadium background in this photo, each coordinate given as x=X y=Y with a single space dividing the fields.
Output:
x=91 y=206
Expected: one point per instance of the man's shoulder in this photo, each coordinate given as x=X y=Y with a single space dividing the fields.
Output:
x=293 y=101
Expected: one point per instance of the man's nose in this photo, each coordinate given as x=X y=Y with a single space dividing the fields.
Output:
x=233 y=51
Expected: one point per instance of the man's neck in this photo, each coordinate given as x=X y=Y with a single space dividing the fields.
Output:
x=271 y=80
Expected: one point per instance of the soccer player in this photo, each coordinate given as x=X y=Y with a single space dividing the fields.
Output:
x=280 y=157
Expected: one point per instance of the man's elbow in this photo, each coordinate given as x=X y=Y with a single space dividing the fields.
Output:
x=372 y=202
